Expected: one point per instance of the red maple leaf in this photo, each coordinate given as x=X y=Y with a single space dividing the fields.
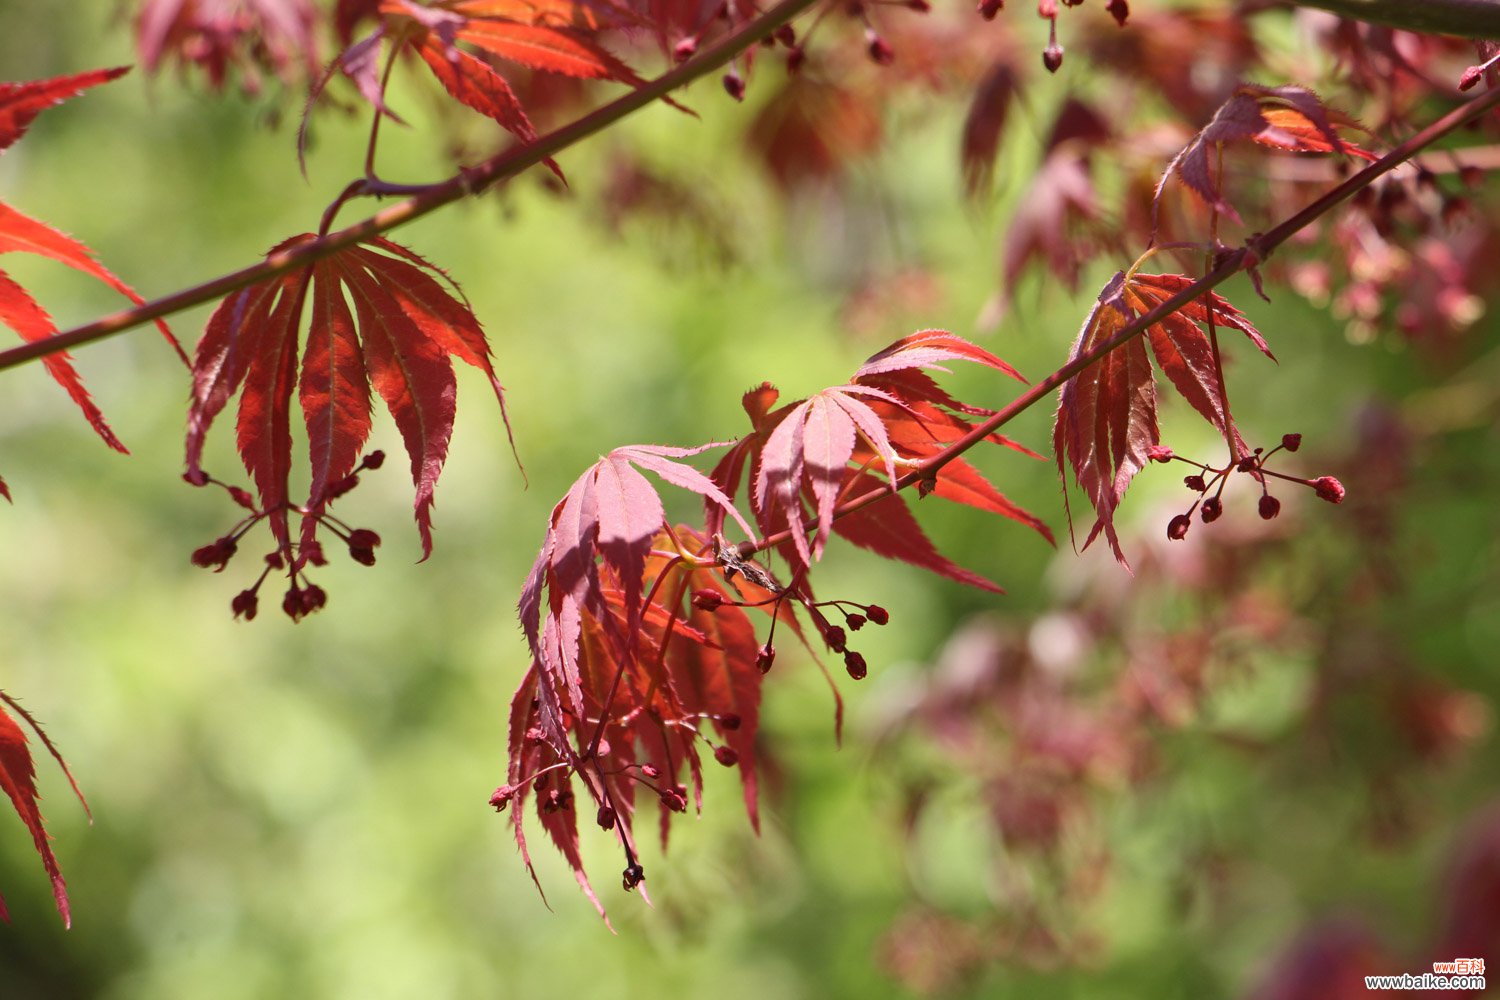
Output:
x=1290 y=118
x=1106 y=415
x=18 y=779
x=380 y=320
x=622 y=688
x=807 y=456
x=546 y=38
x=249 y=34
x=20 y=103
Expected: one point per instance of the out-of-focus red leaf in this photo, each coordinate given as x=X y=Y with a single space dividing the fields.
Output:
x=20 y=103
x=18 y=779
x=984 y=126
x=278 y=35
x=810 y=129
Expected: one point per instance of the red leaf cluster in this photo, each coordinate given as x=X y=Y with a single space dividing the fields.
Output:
x=638 y=631
x=1106 y=415
x=381 y=318
x=250 y=36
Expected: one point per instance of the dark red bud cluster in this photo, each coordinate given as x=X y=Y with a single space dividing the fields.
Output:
x=1213 y=509
x=502 y=797
x=245 y=603
x=734 y=85
x=675 y=799
x=707 y=600
x=1291 y=442
x=836 y=638
x=729 y=721
x=216 y=554
x=1119 y=10
x=765 y=657
x=1329 y=488
x=1269 y=506
x=1177 y=528
x=727 y=756
x=300 y=602
x=634 y=876
x=1052 y=57
x=1470 y=77
x=878 y=615
x=606 y=818
x=855 y=664
x=556 y=799
x=1195 y=483
x=855 y=622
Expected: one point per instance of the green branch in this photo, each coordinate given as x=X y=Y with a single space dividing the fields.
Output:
x=1465 y=18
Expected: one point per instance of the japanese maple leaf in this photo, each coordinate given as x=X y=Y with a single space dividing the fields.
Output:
x=1106 y=420
x=381 y=319
x=526 y=35
x=804 y=458
x=216 y=35
x=1290 y=118
x=20 y=103
x=644 y=680
x=18 y=779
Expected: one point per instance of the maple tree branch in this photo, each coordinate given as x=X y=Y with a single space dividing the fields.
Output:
x=1466 y=18
x=1249 y=256
x=466 y=182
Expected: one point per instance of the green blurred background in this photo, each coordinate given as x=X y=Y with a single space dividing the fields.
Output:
x=300 y=810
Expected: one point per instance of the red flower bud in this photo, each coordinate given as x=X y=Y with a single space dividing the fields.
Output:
x=242 y=497
x=245 y=603
x=877 y=614
x=1052 y=57
x=1470 y=78
x=726 y=755
x=634 y=876
x=1159 y=453
x=1177 y=528
x=881 y=51
x=1195 y=483
x=373 y=460
x=1247 y=464
x=361 y=555
x=1213 y=507
x=855 y=664
x=674 y=800
x=855 y=622
x=683 y=50
x=729 y=721
x=836 y=638
x=1119 y=9
x=651 y=770
x=502 y=797
x=786 y=35
x=1269 y=506
x=734 y=85
x=1329 y=489
x=765 y=657
x=606 y=818
x=195 y=477
x=707 y=600
x=363 y=538
x=1291 y=442
x=989 y=8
